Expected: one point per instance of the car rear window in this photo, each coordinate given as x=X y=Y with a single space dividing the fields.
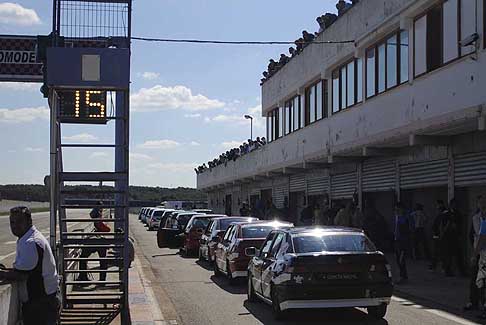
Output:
x=256 y=231
x=333 y=243
x=184 y=219
x=158 y=213
x=201 y=223
x=225 y=223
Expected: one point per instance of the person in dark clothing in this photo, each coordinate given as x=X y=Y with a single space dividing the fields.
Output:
x=436 y=234
x=456 y=244
x=100 y=226
x=474 y=292
x=420 y=223
x=374 y=225
x=402 y=240
x=307 y=215
x=245 y=210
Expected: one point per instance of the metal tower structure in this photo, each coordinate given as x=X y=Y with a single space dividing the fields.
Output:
x=86 y=79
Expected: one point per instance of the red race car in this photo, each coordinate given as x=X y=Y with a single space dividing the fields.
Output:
x=230 y=252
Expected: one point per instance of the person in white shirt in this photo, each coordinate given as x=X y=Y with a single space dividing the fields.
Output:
x=34 y=270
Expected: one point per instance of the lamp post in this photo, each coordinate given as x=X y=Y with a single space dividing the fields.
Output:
x=249 y=117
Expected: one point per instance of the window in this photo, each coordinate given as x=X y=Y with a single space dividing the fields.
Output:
x=437 y=38
x=333 y=243
x=292 y=114
x=387 y=64
x=288 y=123
x=347 y=85
x=276 y=244
x=267 y=245
x=316 y=102
x=392 y=61
x=404 y=56
x=275 y=120
x=336 y=106
x=296 y=113
x=370 y=73
x=381 y=68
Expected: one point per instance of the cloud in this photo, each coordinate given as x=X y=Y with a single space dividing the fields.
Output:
x=227 y=145
x=150 y=75
x=23 y=115
x=173 y=167
x=194 y=144
x=30 y=149
x=159 y=98
x=197 y=115
x=159 y=144
x=20 y=86
x=16 y=15
x=139 y=157
x=82 y=137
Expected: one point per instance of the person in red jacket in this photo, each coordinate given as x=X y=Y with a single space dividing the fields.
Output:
x=100 y=226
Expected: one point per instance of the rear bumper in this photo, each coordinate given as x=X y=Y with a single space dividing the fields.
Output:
x=335 y=303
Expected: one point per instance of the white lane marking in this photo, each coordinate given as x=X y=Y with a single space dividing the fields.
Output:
x=10 y=242
x=436 y=312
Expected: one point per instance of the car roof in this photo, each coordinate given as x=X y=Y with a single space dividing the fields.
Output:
x=275 y=224
x=323 y=230
x=224 y=217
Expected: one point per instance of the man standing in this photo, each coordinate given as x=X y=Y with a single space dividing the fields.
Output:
x=477 y=218
x=96 y=214
x=420 y=223
x=35 y=271
x=402 y=240
x=436 y=234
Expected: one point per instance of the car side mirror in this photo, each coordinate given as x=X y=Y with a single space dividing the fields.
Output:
x=250 y=251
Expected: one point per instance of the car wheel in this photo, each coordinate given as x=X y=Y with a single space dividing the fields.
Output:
x=251 y=296
x=377 y=312
x=217 y=272
x=278 y=314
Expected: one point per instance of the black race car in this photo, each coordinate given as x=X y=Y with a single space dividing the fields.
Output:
x=329 y=267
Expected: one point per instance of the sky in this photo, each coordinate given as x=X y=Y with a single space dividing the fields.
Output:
x=187 y=101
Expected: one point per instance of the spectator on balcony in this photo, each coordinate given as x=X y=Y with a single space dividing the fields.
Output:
x=293 y=52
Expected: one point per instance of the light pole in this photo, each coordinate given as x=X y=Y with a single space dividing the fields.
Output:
x=249 y=117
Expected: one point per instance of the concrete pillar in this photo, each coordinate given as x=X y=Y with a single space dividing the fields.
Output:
x=397 y=180
x=359 y=175
x=450 y=175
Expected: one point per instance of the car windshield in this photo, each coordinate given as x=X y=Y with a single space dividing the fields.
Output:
x=225 y=223
x=256 y=231
x=336 y=242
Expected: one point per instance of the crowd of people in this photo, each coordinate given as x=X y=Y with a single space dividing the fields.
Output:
x=324 y=21
x=232 y=154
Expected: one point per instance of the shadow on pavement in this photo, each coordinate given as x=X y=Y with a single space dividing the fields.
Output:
x=221 y=281
x=405 y=299
x=89 y=315
x=205 y=265
x=263 y=313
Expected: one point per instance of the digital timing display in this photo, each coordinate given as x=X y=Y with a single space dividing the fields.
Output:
x=83 y=104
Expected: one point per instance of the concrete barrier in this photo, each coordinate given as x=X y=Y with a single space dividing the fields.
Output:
x=9 y=304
